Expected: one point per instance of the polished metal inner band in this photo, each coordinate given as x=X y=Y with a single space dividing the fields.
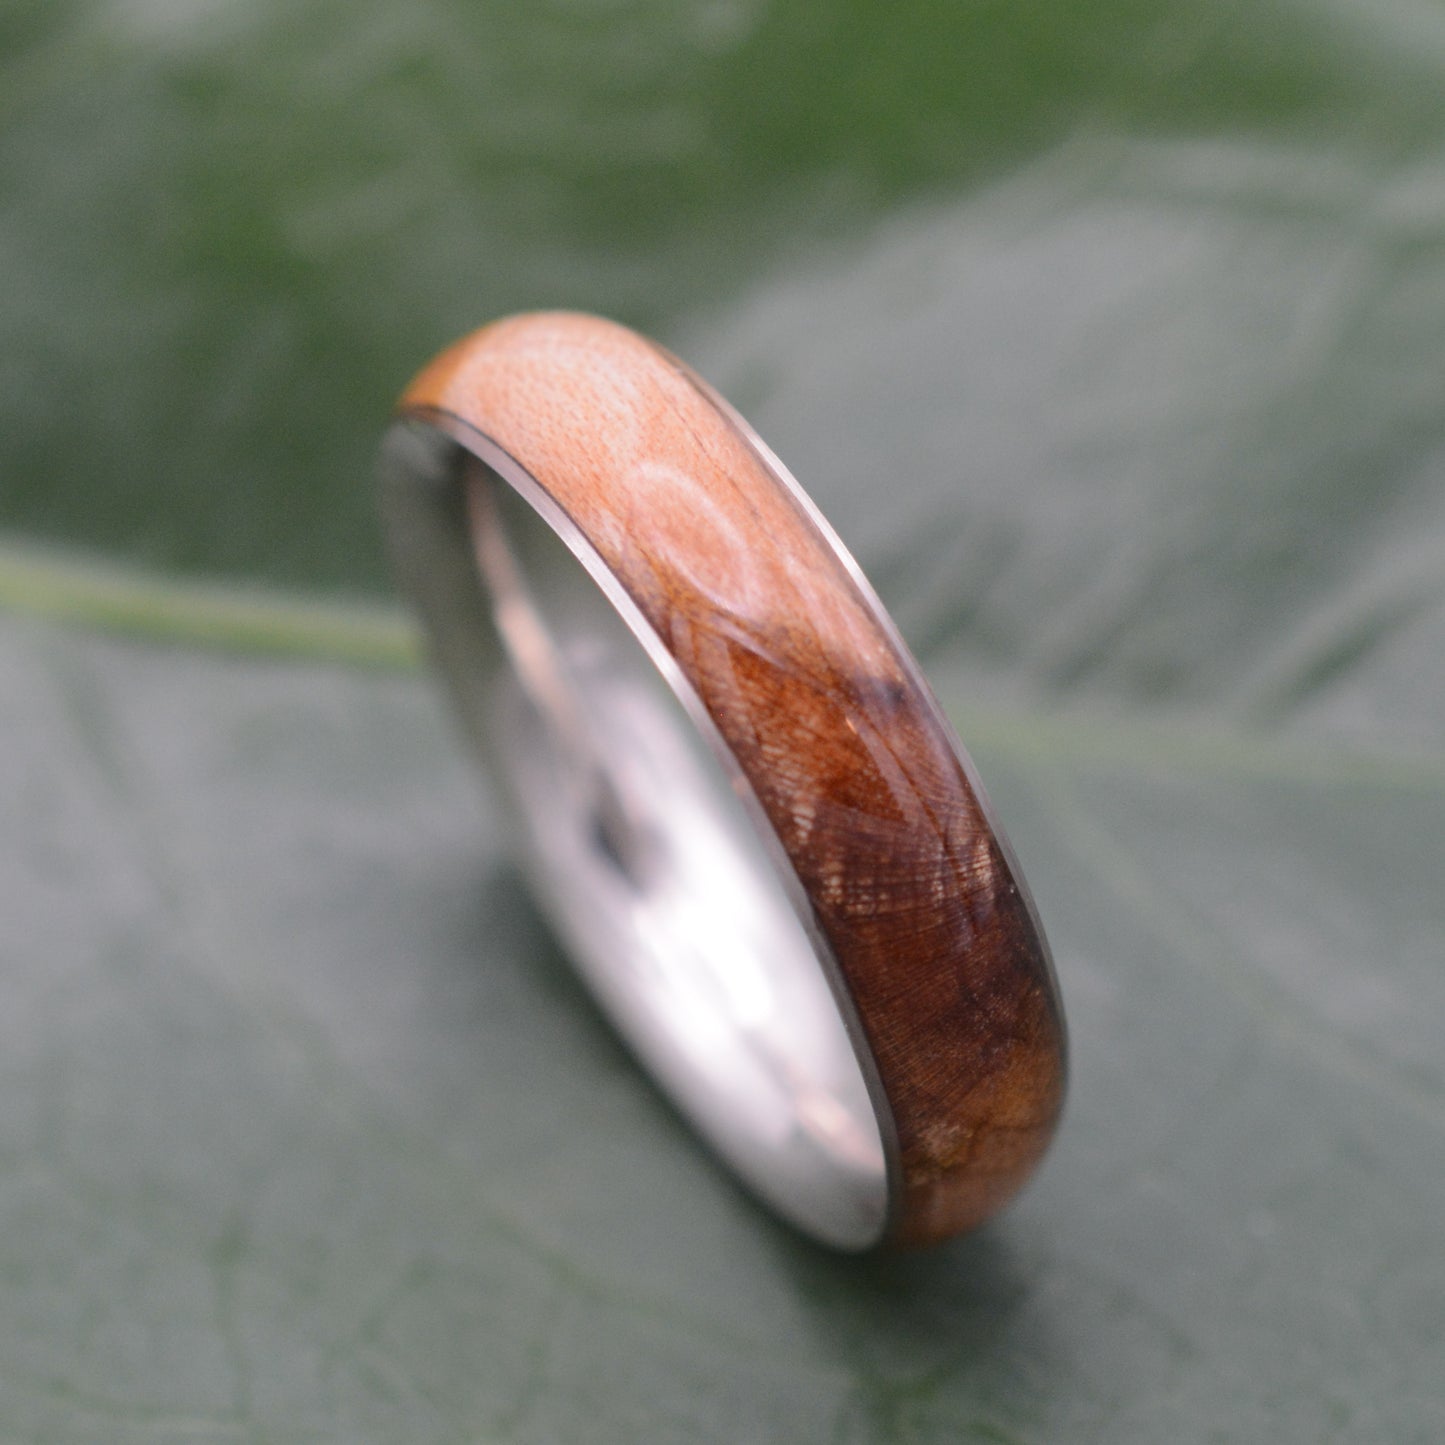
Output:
x=639 y=832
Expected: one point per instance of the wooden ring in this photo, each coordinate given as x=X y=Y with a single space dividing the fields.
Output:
x=858 y=800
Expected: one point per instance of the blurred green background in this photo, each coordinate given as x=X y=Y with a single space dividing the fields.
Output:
x=1109 y=337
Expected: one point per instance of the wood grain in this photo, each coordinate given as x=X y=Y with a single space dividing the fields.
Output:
x=829 y=721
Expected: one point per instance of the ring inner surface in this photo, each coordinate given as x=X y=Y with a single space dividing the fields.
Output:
x=638 y=840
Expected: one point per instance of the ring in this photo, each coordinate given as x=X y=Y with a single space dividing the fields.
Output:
x=734 y=794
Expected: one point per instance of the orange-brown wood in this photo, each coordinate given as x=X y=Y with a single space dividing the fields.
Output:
x=827 y=718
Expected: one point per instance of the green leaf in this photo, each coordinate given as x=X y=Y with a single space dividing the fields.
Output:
x=1108 y=336
x=308 y=1134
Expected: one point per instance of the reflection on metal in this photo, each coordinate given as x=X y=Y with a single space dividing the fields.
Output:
x=658 y=880
x=541 y=672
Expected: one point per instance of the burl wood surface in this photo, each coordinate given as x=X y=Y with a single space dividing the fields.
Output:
x=828 y=720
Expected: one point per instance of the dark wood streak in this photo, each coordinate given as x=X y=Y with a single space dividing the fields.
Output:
x=828 y=720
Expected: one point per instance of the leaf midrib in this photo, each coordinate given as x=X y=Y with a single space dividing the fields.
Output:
x=232 y=617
